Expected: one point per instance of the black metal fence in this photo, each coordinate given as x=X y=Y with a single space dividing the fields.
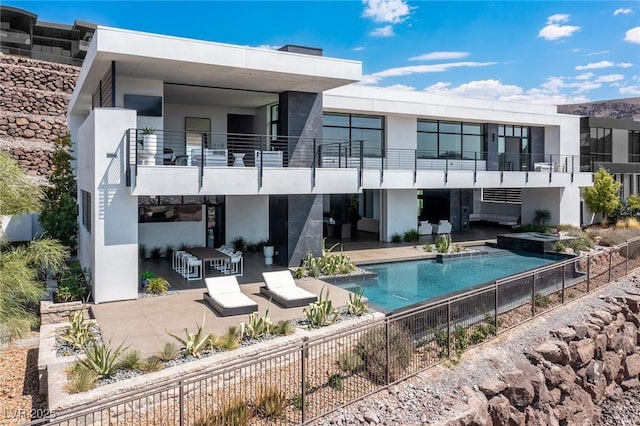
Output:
x=305 y=380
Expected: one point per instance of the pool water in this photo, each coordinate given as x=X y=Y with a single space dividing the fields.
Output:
x=402 y=284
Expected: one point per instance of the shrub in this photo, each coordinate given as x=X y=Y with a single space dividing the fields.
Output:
x=371 y=347
x=396 y=238
x=335 y=381
x=271 y=403
x=230 y=339
x=283 y=328
x=155 y=252
x=321 y=313
x=531 y=227
x=193 y=343
x=80 y=378
x=460 y=339
x=542 y=300
x=541 y=216
x=168 y=352
x=101 y=358
x=411 y=235
x=147 y=275
x=632 y=223
x=296 y=401
x=131 y=360
x=355 y=305
x=153 y=363
x=72 y=284
x=328 y=263
x=142 y=251
x=620 y=224
x=168 y=251
x=239 y=243
x=157 y=285
x=350 y=361
x=234 y=413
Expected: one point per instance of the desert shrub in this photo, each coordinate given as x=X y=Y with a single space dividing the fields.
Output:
x=322 y=312
x=632 y=223
x=234 y=413
x=142 y=251
x=79 y=333
x=151 y=364
x=257 y=326
x=460 y=341
x=283 y=328
x=168 y=251
x=443 y=242
x=102 y=358
x=350 y=361
x=131 y=360
x=356 y=305
x=541 y=300
x=328 y=263
x=620 y=224
x=193 y=343
x=541 y=216
x=396 y=238
x=372 y=346
x=72 y=285
x=271 y=403
x=168 y=352
x=80 y=378
x=531 y=227
x=240 y=244
x=229 y=340
x=411 y=235
x=296 y=401
x=335 y=381
x=155 y=252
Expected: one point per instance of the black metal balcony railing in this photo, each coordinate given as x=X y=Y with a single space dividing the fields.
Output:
x=209 y=150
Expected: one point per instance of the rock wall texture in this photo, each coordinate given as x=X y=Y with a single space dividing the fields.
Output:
x=568 y=376
x=34 y=96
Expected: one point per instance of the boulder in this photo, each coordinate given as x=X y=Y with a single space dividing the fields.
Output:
x=555 y=352
x=492 y=387
x=602 y=315
x=632 y=366
x=479 y=408
x=557 y=375
x=581 y=351
x=612 y=366
x=564 y=333
x=499 y=410
x=519 y=391
x=613 y=391
x=600 y=343
x=628 y=338
x=629 y=384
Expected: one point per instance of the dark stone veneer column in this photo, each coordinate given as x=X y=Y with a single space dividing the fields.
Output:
x=301 y=120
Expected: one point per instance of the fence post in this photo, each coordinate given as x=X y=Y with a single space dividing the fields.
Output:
x=260 y=166
x=564 y=274
x=361 y=160
x=610 y=263
x=495 y=316
x=626 y=261
x=387 y=368
x=449 y=329
x=588 y=271
x=533 y=295
x=415 y=166
x=303 y=363
x=181 y=408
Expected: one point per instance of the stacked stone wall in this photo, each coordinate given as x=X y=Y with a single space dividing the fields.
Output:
x=34 y=96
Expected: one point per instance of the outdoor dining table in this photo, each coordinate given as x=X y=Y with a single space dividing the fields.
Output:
x=208 y=254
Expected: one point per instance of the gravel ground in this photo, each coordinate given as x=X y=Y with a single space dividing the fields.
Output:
x=434 y=395
x=19 y=399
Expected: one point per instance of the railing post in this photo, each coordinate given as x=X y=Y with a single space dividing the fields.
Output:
x=387 y=369
x=475 y=166
x=564 y=272
x=202 y=159
x=610 y=263
x=340 y=156
x=550 y=168
x=181 y=404
x=588 y=271
x=415 y=166
x=533 y=295
x=448 y=328
x=361 y=160
x=303 y=364
x=626 y=261
x=128 y=159
x=446 y=166
x=381 y=165
x=495 y=310
x=260 y=165
x=566 y=164
x=313 y=170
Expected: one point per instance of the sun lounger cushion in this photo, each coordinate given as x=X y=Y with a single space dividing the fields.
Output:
x=281 y=287
x=225 y=297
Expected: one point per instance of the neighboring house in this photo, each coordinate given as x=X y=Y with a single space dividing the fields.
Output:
x=282 y=145
x=22 y=34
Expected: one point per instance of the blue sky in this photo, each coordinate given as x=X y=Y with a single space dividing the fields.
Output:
x=537 y=51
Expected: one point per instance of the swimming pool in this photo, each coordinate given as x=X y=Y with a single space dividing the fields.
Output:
x=402 y=284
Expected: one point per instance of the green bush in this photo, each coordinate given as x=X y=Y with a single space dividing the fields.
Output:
x=335 y=381
x=542 y=300
x=443 y=242
x=101 y=358
x=396 y=238
x=460 y=339
x=239 y=243
x=271 y=403
x=372 y=347
x=168 y=352
x=321 y=313
x=80 y=378
x=155 y=252
x=328 y=264
x=531 y=227
x=157 y=285
x=72 y=285
x=131 y=361
x=350 y=361
x=411 y=235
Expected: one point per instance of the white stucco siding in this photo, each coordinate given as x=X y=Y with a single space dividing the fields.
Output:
x=562 y=203
x=137 y=86
x=399 y=212
x=401 y=132
x=114 y=229
x=247 y=217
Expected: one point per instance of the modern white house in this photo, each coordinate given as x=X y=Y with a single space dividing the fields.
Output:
x=191 y=142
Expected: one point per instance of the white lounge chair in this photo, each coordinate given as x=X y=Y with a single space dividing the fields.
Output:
x=443 y=227
x=224 y=296
x=282 y=289
x=425 y=228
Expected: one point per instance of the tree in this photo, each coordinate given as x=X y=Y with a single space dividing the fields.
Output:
x=22 y=266
x=59 y=216
x=602 y=197
x=634 y=203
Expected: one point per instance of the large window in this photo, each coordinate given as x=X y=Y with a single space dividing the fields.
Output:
x=595 y=145
x=86 y=210
x=170 y=209
x=366 y=128
x=634 y=146
x=449 y=139
x=513 y=148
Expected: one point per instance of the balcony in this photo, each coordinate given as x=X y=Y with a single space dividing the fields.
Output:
x=189 y=163
x=15 y=37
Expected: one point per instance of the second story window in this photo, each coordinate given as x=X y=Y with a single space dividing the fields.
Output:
x=369 y=129
x=449 y=139
x=595 y=145
x=634 y=146
x=274 y=117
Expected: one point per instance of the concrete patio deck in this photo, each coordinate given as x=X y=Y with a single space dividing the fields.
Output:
x=143 y=323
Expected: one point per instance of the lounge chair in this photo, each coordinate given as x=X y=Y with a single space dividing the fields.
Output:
x=282 y=289
x=224 y=296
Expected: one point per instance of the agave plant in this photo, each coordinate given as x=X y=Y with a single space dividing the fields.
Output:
x=103 y=359
x=193 y=343
x=257 y=326
x=355 y=305
x=78 y=334
x=321 y=313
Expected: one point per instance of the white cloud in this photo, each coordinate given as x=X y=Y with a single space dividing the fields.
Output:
x=633 y=35
x=438 y=56
x=391 y=11
x=600 y=52
x=584 y=76
x=268 y=47
x=609 y=78
x=400 y=87
x=602 y=64
x=554 y=30
x=386 y=31
x=622 y=11
x=358 y=48
x=558 y=18
x=585 y=86
x=496 y=90
x=629 y=90
x=419 y=69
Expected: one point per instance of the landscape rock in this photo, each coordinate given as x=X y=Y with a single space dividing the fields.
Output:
x=582 y=351
x=519 y=391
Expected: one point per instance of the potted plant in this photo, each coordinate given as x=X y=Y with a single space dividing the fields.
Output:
x=145 y=277
x=149 y=144
x=268 y=251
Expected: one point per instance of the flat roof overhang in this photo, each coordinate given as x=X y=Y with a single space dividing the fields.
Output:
x=201 y=63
